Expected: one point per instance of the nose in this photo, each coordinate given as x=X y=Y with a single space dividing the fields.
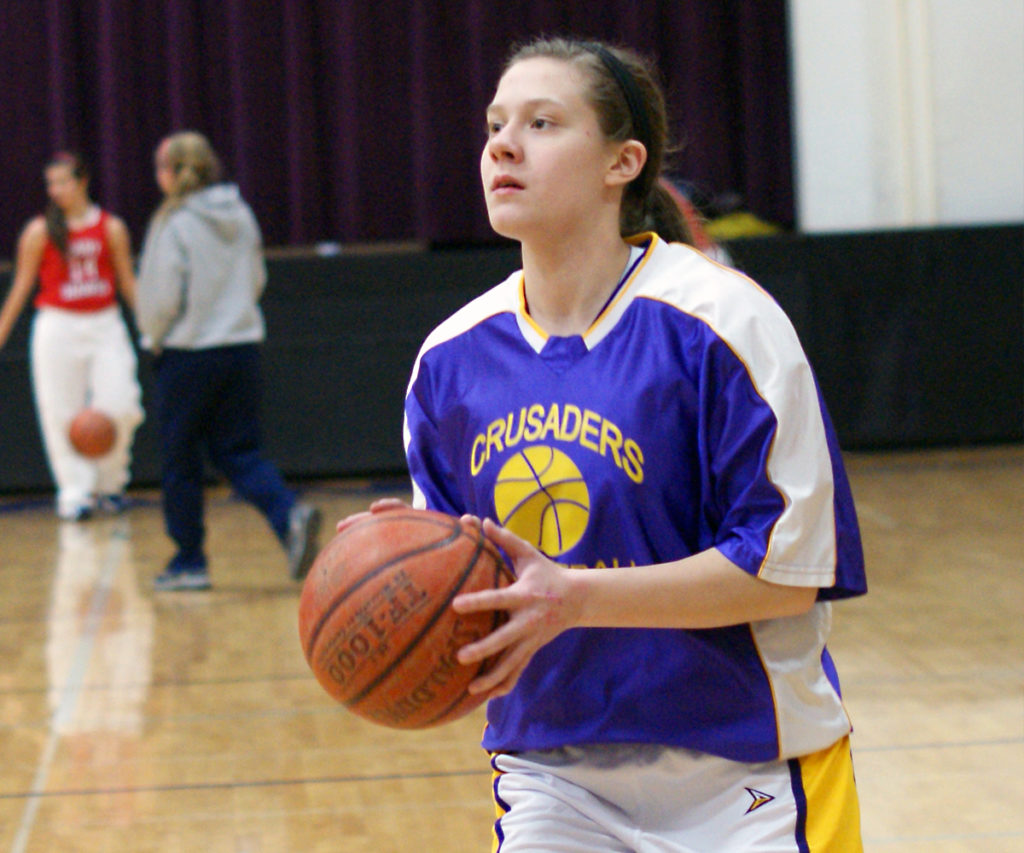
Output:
x=502 y=145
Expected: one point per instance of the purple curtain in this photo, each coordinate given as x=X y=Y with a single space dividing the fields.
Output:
x=352 y=121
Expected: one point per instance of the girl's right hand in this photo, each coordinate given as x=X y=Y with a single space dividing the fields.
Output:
x=541 y=604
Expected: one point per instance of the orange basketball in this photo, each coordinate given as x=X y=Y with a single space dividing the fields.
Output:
x=376 y=621
x=92 y=433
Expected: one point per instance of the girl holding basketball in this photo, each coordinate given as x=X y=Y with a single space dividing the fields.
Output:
x=645 y=428
x=80 y=352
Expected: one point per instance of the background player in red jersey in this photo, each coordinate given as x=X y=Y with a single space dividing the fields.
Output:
x=81 y=354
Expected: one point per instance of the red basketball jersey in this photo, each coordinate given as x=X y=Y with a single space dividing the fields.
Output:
x=83 y=280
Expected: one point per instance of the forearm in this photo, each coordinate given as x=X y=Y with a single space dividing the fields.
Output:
x=703 y=591
x=29 y=256
x=152 y=323
x=120 y=253
x=160 y=285
x=13 y=306
x=126 y=286
x=158 y=305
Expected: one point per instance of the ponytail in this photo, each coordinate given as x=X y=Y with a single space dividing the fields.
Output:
x=195 y=165
x=661 y=214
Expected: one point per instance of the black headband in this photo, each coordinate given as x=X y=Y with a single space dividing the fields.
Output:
x=630 y=91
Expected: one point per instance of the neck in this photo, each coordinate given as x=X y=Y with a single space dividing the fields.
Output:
x=77 y=212
x=568 y=284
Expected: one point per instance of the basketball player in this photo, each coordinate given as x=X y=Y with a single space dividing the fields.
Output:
x=644 y=427
x=80 y=350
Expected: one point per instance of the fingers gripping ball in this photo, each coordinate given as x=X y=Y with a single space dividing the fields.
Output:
x=376 y=621
x=92 y=433
x=541 y=496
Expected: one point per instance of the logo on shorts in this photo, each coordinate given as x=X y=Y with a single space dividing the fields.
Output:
x=759 y=798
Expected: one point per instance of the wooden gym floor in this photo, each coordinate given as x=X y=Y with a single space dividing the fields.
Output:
x=134 y=721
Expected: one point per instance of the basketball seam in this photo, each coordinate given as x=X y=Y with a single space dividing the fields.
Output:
x=414 y=642
x=496 y=620
x=326 y=615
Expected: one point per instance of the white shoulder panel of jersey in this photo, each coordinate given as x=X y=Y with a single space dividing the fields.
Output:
x=500 y=299
x=802 y=550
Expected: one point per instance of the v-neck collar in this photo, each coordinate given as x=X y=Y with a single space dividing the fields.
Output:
x=549 y=345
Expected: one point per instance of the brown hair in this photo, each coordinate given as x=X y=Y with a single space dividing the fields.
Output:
x=629 y=102
x=56 y=221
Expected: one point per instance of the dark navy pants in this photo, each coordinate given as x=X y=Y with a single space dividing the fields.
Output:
x=209 y=401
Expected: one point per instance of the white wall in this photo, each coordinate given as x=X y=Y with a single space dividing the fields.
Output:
x=907 y=112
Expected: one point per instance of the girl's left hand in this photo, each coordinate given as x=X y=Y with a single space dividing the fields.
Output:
x=541 y=604
x=380 y=505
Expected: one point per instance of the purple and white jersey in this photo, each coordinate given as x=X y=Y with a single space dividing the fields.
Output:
x=685 y=418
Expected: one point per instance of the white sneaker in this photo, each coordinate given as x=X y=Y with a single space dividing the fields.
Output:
x=82 y=512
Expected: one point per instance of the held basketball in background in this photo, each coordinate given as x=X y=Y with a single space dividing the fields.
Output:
x=92 y=433
x=376 y=622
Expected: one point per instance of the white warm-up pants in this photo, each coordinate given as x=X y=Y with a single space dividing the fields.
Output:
x=80 y=359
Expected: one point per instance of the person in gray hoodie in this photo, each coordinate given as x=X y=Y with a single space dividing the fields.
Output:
x=201 y=276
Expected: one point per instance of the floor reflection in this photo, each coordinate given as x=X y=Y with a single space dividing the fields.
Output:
x=99 y=661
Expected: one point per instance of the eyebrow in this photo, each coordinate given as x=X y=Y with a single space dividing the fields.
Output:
x=532 y=102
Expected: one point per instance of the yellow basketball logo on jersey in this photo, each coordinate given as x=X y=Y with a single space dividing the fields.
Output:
x=541 y=496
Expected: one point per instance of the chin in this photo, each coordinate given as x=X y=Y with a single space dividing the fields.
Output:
x=507 y=226
x=519 y=224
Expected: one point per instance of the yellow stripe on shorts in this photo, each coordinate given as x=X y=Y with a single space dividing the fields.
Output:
x=831 y=808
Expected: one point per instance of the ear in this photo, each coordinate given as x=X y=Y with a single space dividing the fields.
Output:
x=630 y=157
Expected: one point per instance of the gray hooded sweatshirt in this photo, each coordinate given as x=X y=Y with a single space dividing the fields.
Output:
x=202 y=274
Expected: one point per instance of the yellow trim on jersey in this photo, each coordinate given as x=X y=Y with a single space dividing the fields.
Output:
x=651 y=238
x=636 y=240
x=833 y=810
x=524 y=309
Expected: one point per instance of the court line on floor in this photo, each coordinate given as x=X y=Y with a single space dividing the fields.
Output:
x=483 y=770
x=323 y=487
x=389 y=777
x=71 y=689
x=953 y=836
x=932 y=745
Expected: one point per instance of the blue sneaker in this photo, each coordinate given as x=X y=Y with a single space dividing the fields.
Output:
x=180 y=575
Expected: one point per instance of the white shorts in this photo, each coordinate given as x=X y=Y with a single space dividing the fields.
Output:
x=641 y=798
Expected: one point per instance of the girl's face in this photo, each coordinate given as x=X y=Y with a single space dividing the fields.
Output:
x=163 y=169
x=64 y=189
x=546 y=163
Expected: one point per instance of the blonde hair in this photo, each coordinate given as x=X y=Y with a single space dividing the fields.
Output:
x=194 y=163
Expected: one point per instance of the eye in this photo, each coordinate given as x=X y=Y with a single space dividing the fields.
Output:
x=540 y=123
x=493 y=127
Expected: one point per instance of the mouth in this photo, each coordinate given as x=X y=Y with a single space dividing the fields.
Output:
x=505 y=183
